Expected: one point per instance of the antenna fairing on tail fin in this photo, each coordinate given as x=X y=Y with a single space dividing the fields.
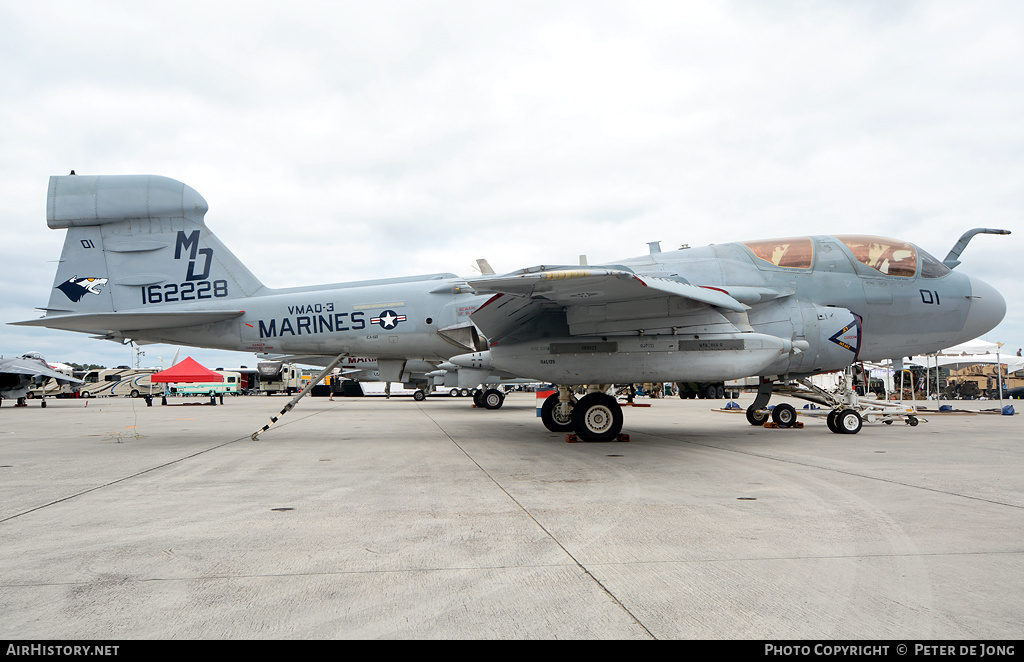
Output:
x=81 y=200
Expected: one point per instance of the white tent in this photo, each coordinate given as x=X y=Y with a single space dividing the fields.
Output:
x=970 y=353
x=974 y=351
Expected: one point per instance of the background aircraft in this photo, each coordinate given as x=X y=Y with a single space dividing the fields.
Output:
x=778 y=308
x=29 y=370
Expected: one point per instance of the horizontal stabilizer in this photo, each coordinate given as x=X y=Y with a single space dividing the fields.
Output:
x=115 y=322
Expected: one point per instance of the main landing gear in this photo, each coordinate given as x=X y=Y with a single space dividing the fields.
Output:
x=596 y=416
x=492 y=398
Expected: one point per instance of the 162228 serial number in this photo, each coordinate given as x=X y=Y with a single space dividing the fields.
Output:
x=190 y=291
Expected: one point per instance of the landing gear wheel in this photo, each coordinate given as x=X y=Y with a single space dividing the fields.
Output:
x=756 y=416
x=492 y=398
x=597 y=417
x=784 y=415
x=419 y=396
x=831 y=420
x=556 y=416
x=478 y=398
x=911 y=421
x=848 y=421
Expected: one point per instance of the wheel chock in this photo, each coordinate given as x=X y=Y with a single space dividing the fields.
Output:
x=574 y=439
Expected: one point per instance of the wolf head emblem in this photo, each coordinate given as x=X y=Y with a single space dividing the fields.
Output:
x=75 y=288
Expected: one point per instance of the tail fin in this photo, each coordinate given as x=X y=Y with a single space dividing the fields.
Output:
x=136 y=241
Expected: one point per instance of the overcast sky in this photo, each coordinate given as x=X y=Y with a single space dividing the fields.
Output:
x=339 y=141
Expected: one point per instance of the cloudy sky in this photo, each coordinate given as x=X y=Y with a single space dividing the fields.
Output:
x=339 y=141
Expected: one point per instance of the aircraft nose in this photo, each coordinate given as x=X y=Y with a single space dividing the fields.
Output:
x=987 y=310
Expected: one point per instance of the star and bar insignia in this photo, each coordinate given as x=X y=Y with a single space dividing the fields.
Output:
x=389 y=319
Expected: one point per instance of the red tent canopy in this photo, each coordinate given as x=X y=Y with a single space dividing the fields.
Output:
x=187 y=371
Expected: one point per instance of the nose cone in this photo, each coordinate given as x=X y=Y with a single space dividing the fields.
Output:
x=987 y=310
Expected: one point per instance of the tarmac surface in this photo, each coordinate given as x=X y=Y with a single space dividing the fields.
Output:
x=376 y=518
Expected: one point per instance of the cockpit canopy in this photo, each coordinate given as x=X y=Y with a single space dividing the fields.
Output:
x=889 y=257
x=792 y=253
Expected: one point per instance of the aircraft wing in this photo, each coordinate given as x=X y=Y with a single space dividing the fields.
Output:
x=570 y=285
x=33 y=368
x=598 y=300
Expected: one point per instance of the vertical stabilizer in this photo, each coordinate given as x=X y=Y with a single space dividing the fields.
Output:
x=137 y=241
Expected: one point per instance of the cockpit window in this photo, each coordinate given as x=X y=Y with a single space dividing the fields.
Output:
x=931 y=267
x=888 y=256
x=795 y=253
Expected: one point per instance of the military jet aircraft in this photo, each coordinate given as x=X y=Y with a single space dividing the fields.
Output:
x=777 y=309
x=19 y=375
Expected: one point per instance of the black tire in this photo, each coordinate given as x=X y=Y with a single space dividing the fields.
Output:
x=756 y=416
x=849 y=421
x=831 y=420
x=597 y=417
x=454 y=392
x=478 y=398
x=554 y=417
x=720 y=393
x=492 y=398
x=419 y=396
x=710 y=393
x=784 y=415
